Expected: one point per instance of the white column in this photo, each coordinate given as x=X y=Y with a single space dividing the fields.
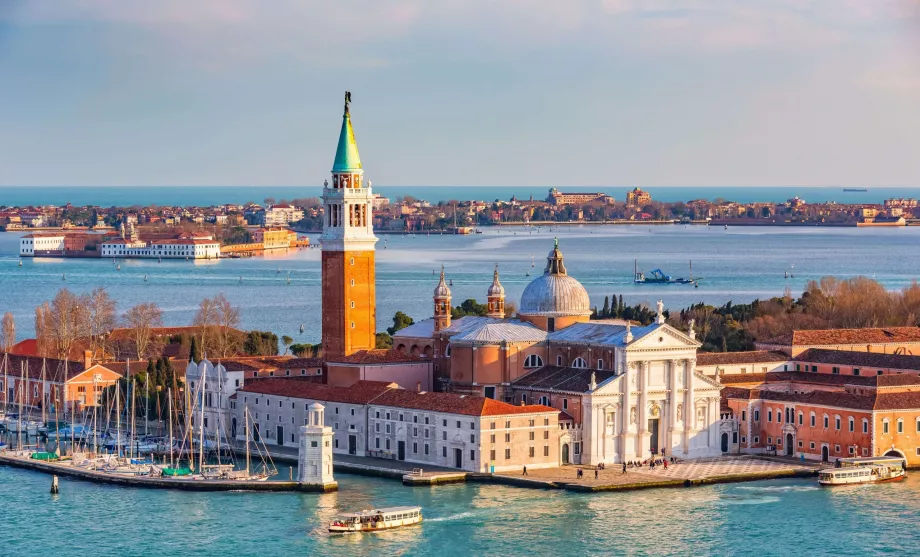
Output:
x=672 y=432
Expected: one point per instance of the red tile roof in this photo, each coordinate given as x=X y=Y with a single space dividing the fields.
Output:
x=898 y=401
x=825 y=337
x=729 y=358
x=378 y=356
x=797 y=377
x=361 y=392
x=859 y=359
x=450 y=403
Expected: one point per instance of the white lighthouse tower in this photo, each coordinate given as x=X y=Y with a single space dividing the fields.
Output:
x=315 y=456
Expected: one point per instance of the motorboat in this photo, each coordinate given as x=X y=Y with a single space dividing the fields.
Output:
x=376 y=520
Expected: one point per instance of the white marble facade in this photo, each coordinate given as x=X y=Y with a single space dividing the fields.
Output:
x=655 y=403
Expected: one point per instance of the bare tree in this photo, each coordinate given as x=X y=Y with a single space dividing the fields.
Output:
x=66 y=322
x=43 y=330
x=205 y=319
x=142 y=319
x=100 y=317
x=8 y=332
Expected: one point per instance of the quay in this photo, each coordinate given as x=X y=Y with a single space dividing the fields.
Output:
x=60 y=469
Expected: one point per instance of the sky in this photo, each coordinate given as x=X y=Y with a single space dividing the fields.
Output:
x=461 y=92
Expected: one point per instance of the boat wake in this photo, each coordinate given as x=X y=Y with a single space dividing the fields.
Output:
x=460 y=516
x=750 y=501
x=781 y=488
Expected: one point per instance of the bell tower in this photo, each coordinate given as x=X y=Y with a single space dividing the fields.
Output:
x=349 y=304
x=441 y=304
x=496 y=297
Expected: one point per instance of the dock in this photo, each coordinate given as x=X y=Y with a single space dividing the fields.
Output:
x=64 y=469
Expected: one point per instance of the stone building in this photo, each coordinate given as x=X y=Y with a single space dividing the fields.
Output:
x=884 y=340
x=211 y=387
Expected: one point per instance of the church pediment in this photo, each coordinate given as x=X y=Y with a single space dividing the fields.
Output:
x=662 y=337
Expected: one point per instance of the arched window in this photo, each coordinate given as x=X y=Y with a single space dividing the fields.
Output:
x=801 y=418
x=524 y=398
x=900 y=425
x=812 y=416
x=865 y=423
x=885 y=425
x=579 y=363
x=827 y=421
x=544 y=400
x=558 y=360
x=533 y=361
x=852 y=423
x=837 y=423
x=447 y=351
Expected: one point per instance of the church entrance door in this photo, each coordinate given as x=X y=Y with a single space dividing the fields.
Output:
x=724 y=442
x=565 y=453
x=790 y=449
x=653 y=439
x=824 y=454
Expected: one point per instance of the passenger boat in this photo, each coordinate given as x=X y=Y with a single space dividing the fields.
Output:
x=376 y=520
x=863 y=470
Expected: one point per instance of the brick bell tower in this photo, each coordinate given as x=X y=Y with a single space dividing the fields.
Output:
x=349 y=294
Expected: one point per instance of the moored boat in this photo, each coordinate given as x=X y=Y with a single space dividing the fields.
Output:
x=863 y=470
x=376 y=520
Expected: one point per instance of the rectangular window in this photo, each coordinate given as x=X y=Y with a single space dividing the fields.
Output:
x=472 y=438
x=507 y=454
x=444 y=423
x=900 y=426
x=811 y=445
x=444 y=452
x=743 y=415
x=415 y=418
x=472 y=456
x=855 y=371
x=812 y=420
x=577 y=448
x=458 y=424
x=426 y=448
x=770 y=415
x=507 y=438
x=492 y=438
x=546 y=434
x=835 y=370
x=756 y=439
x=414 y=448
x=866 y=426
x=508 y=424
x=531 y=436
x=492 y=425
x=531 y=452
x=814 y=369
x=444 y=435
x=826 y=422
x=756 y=415
x=545 y=450
x=492 y=454
x=377 y=443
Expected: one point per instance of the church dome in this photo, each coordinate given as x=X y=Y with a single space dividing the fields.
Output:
x=555 y=293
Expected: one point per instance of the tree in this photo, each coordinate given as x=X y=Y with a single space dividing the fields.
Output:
x=194 y=354
x=469 y=307
x=204 y=320
x=142 y=319
x=66 y=322
x=605 y=312
x=8 y=332
x=217 y=320
x=261 y=343
x=42 y=330
x=101 y=319
x=400 y=321
x=384 y=340
x=287 y=342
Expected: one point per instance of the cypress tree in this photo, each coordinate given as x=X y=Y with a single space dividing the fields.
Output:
x=194 y=354
x=620 y=307
x=606 y=311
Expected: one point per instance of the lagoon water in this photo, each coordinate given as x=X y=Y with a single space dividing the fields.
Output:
x=770 y=518
x=738 y=264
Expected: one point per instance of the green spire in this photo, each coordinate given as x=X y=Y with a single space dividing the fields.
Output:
x=346 y=154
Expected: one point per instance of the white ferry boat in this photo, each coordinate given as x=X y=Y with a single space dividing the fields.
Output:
x=376 y=520
x=863 y=470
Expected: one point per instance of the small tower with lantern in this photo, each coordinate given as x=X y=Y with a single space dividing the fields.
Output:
x=496 y=297
x=441 y=304
x=314 y=460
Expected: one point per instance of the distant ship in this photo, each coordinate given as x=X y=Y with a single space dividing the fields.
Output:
x=658 y=277
x=855 y=190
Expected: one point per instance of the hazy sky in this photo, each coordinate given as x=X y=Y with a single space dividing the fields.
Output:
x=461 y=92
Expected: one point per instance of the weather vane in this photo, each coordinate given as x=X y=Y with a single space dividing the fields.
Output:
x=347 y=100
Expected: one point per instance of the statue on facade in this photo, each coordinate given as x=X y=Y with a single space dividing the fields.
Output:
x=660 y=319
x=632 y=415
x=680 y=412
x=691 y=332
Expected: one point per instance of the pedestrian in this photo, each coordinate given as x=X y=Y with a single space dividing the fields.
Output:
x=525 y=470
x=665 y=464
x=624 y=467
x=595 y=473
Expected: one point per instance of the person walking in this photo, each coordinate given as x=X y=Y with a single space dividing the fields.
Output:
x=624 y=467
x=525 y=470
x=665 y=464
x=595 y=473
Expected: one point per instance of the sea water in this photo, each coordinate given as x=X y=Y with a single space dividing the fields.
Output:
x=777 y=517
x=737 y=264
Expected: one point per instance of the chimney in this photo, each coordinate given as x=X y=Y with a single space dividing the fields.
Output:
x=87 y=359
x=522 y=403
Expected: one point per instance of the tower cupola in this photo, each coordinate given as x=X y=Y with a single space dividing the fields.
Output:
x=496 y=297
x=441 y=304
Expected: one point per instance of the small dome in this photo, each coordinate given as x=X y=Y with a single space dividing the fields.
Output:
x=496 y=290
x=555 y=293
x=441 y=290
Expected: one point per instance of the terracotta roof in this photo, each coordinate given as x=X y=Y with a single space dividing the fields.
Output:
x=561 y=379
x=859 y=359
x=729 y=358
x=378 y=356
x=897 y=380
x=254 y=363
x=822 y=337
x=898 y=401
x=450 y=403
x=798 y=377
x=361 y=392
x=821 y=398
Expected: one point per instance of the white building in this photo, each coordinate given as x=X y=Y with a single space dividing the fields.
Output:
x=212 y=403
x=374 y=418
x=30 y=244
x=732 y=363
x=279 y=215
x=202 y=247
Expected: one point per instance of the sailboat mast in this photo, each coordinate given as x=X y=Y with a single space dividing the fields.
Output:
x=169 y=396
x=188 y=428
x=95 y=436
x=44 y=389
x=218 y=430
x=146 y=402
x=246 y=435
x=73 y=414
x=204 y=379
x=117 y=420
x=22 y=372
x=133 y=416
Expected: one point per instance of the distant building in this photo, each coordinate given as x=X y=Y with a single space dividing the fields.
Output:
x=557 y=197
x=211 y=388
x=279 y=215
x=637 y=198
x=36 y=245
x=379 y=202
x=901 y=203
x=198 y=247
x=885 y=340
x=274 y=238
